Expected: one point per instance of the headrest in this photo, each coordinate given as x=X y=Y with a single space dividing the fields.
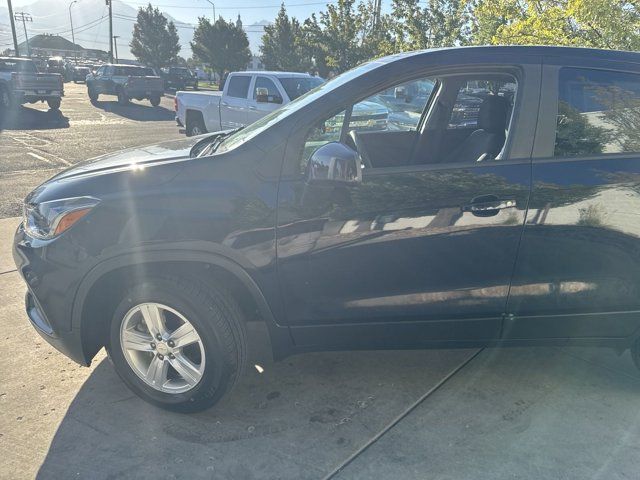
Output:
x=492 y=116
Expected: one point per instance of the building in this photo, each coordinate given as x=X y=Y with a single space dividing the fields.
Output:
x=47 y=45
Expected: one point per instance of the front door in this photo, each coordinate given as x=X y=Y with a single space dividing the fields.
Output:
x=417 y=252
x=274 y=99
x=578 y=270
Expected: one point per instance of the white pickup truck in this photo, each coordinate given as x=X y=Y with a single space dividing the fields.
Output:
x=247 y=97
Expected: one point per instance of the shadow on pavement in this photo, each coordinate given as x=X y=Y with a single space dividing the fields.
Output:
x=299 y=419
x=137 y=111
x=24 y=118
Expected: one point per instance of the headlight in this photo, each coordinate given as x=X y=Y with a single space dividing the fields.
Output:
x=49 y=219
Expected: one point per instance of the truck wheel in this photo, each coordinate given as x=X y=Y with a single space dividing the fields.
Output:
x=155 y=101
x=93 y=95
x=123 y=99
x=177 y=344
x=194 y=124
x=54 y=103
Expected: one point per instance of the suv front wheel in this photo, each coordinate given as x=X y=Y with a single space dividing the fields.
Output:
x=176 y=344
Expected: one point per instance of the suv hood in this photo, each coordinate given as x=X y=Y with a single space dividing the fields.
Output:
x=132 y=158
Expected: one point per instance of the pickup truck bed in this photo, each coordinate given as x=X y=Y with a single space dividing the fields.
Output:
x=21 y=83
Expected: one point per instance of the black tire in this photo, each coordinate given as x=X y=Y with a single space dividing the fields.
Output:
x=93 y=95
x=54 y=103
x=194 y=124
x=155 y=101
x=217 y=318
x=123 y=99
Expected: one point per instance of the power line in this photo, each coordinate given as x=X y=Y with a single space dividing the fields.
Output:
x=241 y=7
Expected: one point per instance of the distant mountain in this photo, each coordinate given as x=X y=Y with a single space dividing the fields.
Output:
x=91 y=26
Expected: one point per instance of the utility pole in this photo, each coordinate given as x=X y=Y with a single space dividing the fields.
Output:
x=213 y=5
x=115 y=46
x=13 y=28
x=108 y=2
x=73 y=37
x=25 y=17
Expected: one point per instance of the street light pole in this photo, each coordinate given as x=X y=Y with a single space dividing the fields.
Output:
x=13 y=28
x=213 y=5
x=73 y=37
x=115 y=46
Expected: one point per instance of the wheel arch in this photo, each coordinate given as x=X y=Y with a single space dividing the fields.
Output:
x=95 y=302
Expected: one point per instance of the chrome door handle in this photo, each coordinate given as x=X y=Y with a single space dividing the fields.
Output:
x=251 y=107
x=488 y=205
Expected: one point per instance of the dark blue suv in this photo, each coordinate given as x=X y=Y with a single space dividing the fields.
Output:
x=517 y=227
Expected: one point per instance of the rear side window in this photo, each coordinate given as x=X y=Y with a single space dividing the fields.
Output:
x=598 y=113
x=239 y=86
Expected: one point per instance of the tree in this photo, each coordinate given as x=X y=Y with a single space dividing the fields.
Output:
x=281 y=47
x=312 y=45
x=590 y=23
x=222 y=45
x=155 y=40
x=442 y=23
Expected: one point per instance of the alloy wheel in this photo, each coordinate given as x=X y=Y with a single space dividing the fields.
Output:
x=162 y=347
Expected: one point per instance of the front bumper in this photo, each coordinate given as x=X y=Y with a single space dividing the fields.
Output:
x=51 y=291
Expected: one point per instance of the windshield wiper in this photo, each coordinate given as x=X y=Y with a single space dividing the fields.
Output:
x=208 y=145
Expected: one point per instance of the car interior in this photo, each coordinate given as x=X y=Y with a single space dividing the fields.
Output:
x=465 y=120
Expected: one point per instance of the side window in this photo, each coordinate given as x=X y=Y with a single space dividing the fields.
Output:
x=326 y=131
x=109 y=71
x=472 y=94
x=272 y=90
x=598 y=113
x=396 y=108
x=100 y=71
x=239 y=86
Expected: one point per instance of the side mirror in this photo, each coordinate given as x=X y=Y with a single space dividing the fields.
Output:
x=335 y=163
x=262 y=95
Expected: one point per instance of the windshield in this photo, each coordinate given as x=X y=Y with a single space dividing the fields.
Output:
x=22 y=66
x=298 y=86
x=283 y=112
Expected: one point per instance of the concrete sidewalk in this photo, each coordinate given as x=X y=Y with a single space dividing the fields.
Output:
x=529 y=413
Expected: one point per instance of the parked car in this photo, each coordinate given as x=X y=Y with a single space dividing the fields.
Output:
x=239 y=103
x=179 y=78
x=80 y=74
x=520 y=230
x=127 y=82
x=21 y=83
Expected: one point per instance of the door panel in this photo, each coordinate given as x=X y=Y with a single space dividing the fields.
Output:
x=578 y=268
x=405 y=248
x=580 y=252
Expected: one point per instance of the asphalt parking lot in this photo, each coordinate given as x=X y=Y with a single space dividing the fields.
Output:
x=36 y=143
x=527 y=413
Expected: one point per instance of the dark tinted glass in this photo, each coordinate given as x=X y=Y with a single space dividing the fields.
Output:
x=598 y=113
x=296 y=87
x=264 y=82
x=239 y=86
x=24 y=66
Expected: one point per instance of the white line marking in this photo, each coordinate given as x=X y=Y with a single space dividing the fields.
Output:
x=39 y=157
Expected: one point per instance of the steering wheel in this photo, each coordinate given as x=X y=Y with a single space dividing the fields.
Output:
x=359 y=147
